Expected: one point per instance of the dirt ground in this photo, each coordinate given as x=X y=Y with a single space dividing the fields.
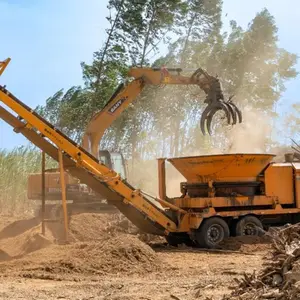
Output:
x=106 y=258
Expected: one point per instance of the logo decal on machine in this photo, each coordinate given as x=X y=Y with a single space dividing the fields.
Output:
x=117 y=105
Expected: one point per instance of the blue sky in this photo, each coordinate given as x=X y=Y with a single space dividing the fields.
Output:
x=47 y=40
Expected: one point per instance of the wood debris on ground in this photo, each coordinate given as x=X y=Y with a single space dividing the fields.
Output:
x=280 y=276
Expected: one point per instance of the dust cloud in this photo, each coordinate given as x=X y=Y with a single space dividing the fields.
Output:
x=144 y=175
x=252 y=135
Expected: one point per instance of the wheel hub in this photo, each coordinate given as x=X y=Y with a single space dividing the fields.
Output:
x=215 y=233
x=250 y=229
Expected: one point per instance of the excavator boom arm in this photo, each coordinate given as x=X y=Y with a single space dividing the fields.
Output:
x=103 y=119
x=126 y=94
x=3 y=65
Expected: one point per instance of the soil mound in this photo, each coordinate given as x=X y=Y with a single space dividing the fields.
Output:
x=92 y=227
x=18 y=227
x=247 y=243
x=280 y=276
x=98 y=244
x=4 y=256
x=27 y=242
x=120 y=254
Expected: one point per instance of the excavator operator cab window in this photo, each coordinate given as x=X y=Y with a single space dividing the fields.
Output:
x=114 y=161
x=106 y=160
x=118 y=165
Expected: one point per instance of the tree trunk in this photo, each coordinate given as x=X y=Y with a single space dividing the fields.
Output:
x=108 y=41
x=147 y=36
x=182 y=58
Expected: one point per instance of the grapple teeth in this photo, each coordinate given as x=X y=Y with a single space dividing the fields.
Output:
x=238 y=112
x=204 y=117
x=224 y=107
x=232 y=112
x=210 y=117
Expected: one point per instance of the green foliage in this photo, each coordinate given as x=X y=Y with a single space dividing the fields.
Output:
x=142 y=25
x=64 y=111
x=136 y=28
x=164 y=122
x=250 y=65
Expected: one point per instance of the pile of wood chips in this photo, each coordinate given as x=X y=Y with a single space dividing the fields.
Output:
x=280 y=276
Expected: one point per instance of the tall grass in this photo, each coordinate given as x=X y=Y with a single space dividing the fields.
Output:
x=15 y=166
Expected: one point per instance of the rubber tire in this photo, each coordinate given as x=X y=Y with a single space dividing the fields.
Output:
x=201 y=234
x=239 y=229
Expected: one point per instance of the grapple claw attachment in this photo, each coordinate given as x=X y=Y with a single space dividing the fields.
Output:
x=215 y=101
x=209 y=119
x=232 y=114
x=204 y=118
x=238 y=113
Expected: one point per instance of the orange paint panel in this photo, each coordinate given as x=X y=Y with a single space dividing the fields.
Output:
x=224 y=202
x=297 y=187
x=226 y=167
x=52 y=184
x=279 y=182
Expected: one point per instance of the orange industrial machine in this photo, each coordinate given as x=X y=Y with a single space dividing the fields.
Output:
x=223 y=195
x=235 y=194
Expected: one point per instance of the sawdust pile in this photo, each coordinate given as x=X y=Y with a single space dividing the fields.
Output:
x=120 y=254
x=25 y=243
x=99 y=244
x=92 y=227
x=22 y=237
x=280 y=277
x=247 y=243
x=11 y=227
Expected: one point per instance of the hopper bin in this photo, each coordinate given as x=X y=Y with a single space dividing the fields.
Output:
x=222 y=168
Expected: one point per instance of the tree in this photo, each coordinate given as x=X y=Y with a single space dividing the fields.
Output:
x=141 y=24
x=250 y=65
x=164 y=122
x=292 y=122
x=144 y=24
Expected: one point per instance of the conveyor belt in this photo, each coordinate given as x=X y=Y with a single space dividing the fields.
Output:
x=81 y=164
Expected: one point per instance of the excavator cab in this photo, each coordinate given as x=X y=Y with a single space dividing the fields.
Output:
x=75 y=190
x=115 y=161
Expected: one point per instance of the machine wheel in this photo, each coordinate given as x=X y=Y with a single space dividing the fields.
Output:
x=211 y=232
x=249 y=225
x=175 y=240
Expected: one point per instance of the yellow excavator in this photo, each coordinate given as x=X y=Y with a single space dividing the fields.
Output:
x=84 y=199
x=126 y=94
